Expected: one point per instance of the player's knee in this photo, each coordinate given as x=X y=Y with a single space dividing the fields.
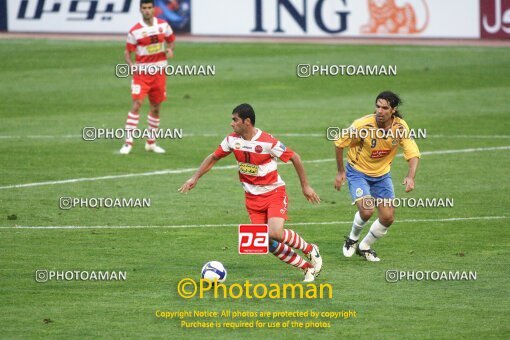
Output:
x=136 y=106
x=365 y=214
x=155 y=109
x=276 y=235
x=386 y=220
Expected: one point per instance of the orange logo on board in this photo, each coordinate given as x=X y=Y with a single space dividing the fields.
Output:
x=386 y=17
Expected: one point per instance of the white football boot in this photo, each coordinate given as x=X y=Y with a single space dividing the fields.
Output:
x=309 y=275
x=126 y=149
x=154 y=148
x=368 y=255
x=349 y=247
x=315 y=259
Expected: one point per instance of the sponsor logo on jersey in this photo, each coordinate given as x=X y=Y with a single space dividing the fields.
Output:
x=282 y=146
x=258 y=149
x=395 y=142
x=237 y=146
x=156 y=48
x=246 y=147
x=379 y=153
x=248 y=169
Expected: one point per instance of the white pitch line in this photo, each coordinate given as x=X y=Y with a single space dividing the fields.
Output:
x=40 y=137
x=181 y=171
x=424 y=153
x=276 y=134
x=470 y=136
x=452 y=219
x=444 y=152
x=74 y=180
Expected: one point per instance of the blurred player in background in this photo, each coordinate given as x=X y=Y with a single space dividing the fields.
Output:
x=175 y=12
x=152 y=41
x=256 y=153
x=368 y=170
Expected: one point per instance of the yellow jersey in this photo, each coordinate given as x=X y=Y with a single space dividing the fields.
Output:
x=371 y=149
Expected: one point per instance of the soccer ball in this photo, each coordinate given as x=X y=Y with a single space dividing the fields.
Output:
x=214 y=270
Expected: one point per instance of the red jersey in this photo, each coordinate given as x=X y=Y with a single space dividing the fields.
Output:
x=256 y=160
x=148 y=42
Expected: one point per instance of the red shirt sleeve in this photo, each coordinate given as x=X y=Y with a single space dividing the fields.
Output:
x=131 y=42
x=170 y=38
x=281 y=151
x=131 y=47
x=286 y=155
x=220 y=153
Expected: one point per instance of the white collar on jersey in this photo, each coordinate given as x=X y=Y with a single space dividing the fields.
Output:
x=154 y=22
x=257 y=135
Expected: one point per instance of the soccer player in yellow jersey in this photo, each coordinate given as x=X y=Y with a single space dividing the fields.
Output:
x=373 y=141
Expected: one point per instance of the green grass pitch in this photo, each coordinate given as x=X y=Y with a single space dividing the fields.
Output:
x=52 y=89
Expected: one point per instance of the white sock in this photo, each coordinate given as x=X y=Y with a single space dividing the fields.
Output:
x=377 y=230
x=357 y=227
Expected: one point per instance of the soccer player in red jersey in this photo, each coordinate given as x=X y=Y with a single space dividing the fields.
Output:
x=256 y=153
x=152 y=41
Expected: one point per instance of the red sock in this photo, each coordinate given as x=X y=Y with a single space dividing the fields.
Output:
x=153 y=125
x=287 y=255
x=131 y=124
x=293 y=239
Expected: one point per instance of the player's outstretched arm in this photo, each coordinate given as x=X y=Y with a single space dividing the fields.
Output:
x=409 y=179
x=340 y=175
x=309 y=193
x=206 y=165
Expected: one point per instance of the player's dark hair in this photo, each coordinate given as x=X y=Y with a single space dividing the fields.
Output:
x=393 y=99
x=146 y=2
x=245 y=111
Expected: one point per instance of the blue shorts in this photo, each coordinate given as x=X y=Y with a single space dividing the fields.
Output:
x=361 y=185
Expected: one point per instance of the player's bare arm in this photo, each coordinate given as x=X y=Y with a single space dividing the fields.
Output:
x=170 y=50
x=206 y=165
x=409 y=179
x=309 y=193
x=340 y=175
x=128 y=57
